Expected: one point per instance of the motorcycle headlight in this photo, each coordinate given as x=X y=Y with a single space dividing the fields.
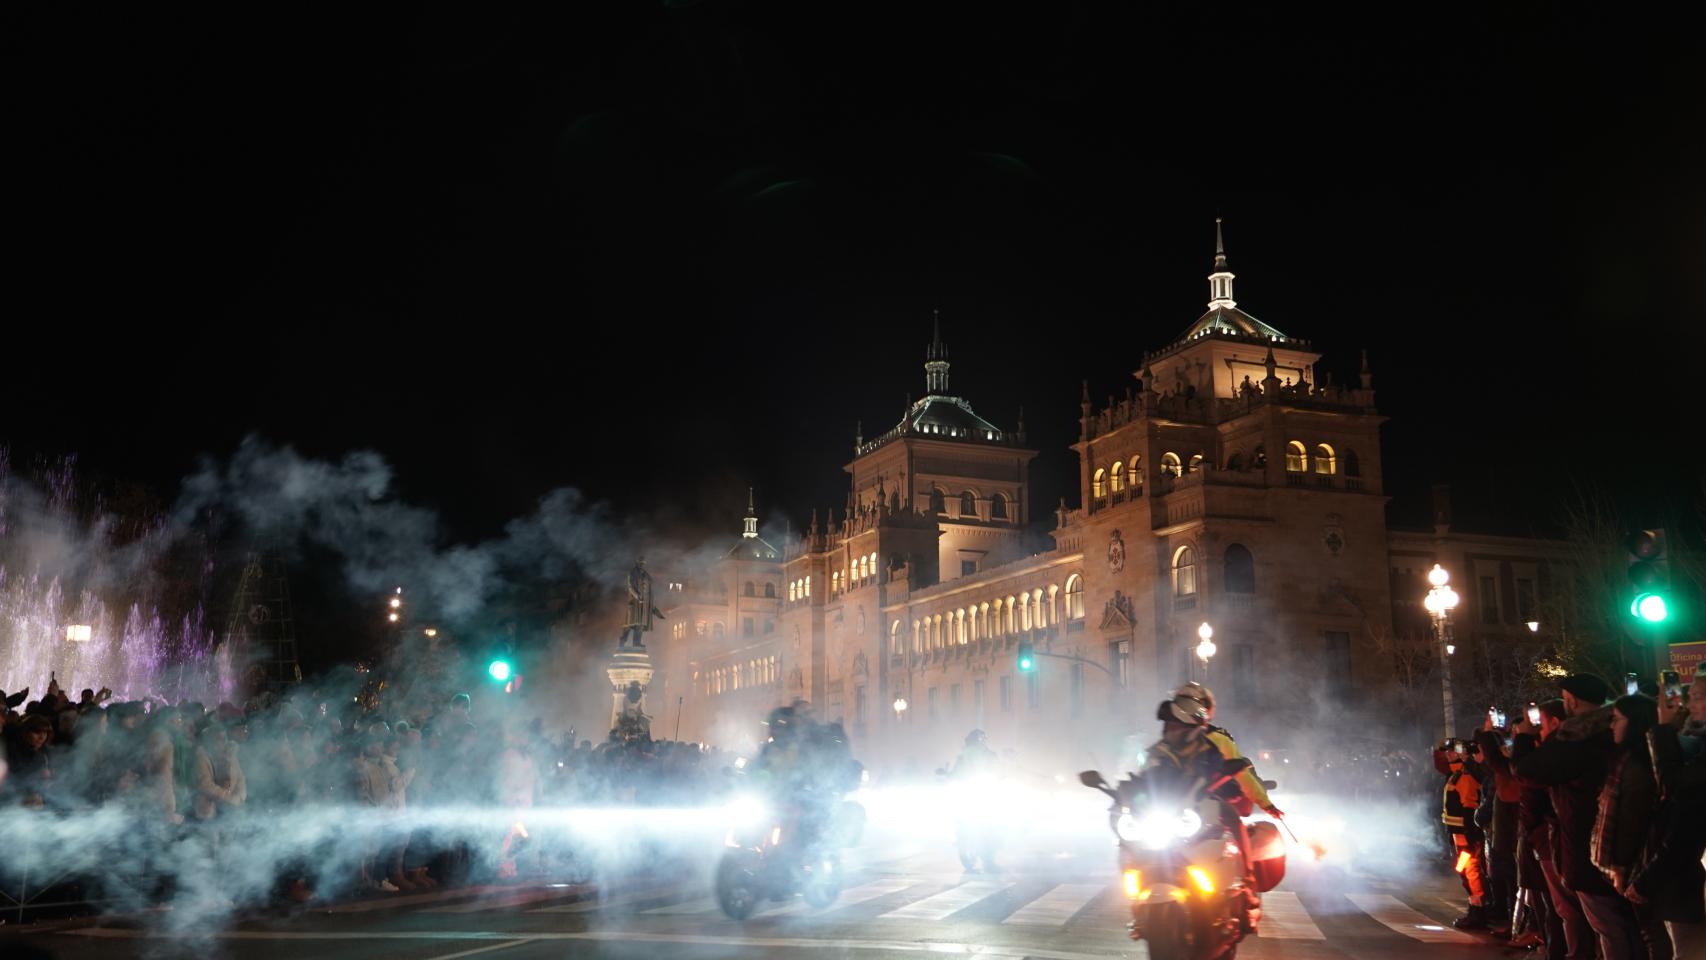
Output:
x=1188 y=824
x=747 y=809
x=1155 y=831
x=1126 y=827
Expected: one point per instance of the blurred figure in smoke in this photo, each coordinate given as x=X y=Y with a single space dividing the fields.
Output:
x=1574 y=763
x=27 y=756
x=517 y=781
x=1461 y=796
x=975 y=768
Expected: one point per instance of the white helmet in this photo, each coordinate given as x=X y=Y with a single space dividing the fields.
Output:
x=1198 y=692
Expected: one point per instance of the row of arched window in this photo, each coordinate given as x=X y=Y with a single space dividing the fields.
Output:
x=751 y=589
x=860 y=571
x=757 y=672
x=1031 y=610
x=968 y=504
x=1113 y=480
x=1238 y=570
x=800 y=589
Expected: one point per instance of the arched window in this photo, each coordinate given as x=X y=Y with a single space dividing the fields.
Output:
x=917 y=637
x=793 y=590
x=1325 y=462
x=1098 y=485
x=1075 y=597
x=859 y=569
x=1353 y=466
x=1134 y=475
x=873 y=564
x=1296 y=457
x=1012 y=615
x=1170 y=464
x=1037 y=618
x=937 y=633
x=1116 y=477
x=1026 y=611
x=1235 y=462
x=1239 y=572
x=960 y=627
x=1184 y=572
x=1196 y=461
x=938 y=501
x=770 y=590
x=997 y=507
x=808 y=585
x=995 y=629
x=717 y=630
x=1053 y=603
x=751 y=589
x=894 y=639
x=968 y=505
x=983 y=615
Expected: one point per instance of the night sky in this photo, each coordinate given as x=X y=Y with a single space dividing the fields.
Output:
x=662 y=250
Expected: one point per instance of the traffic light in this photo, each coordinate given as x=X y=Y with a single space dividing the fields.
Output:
x=1649 y=575
x=499 y=669
x=1027 y=660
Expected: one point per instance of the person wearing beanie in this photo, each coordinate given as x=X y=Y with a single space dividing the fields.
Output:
x=1573 y=764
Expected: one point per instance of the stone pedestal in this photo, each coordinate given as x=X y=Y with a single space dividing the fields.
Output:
x=627 y=669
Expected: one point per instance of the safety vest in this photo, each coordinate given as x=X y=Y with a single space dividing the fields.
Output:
x=1462 y=796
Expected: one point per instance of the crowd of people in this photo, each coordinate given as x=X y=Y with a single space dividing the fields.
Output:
x=191 y=777
x=1579 y=828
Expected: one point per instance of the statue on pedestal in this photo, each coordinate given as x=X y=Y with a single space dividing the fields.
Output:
x=640 y=607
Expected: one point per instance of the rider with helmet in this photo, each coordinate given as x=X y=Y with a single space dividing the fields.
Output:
x=1253 y=794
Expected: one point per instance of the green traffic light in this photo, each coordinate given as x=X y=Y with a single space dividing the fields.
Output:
x=1650 y=607
x=1025 y=663
x=499 y=670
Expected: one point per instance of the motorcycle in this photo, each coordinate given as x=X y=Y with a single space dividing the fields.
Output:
x=774 y=854
x=1182 y=848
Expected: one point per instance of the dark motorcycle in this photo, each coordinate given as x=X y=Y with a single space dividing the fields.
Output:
x=775 y=854
x=1182 y=851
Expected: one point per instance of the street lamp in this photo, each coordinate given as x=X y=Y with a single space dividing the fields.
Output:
x=1440 y=601
x=1533 y=626
x=899 y=707
x=1206 y=648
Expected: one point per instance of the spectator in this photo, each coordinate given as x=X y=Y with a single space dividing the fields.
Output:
x=1574 y=763
x=1668 y=881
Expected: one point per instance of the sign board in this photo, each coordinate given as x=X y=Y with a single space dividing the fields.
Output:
x=1685 y=658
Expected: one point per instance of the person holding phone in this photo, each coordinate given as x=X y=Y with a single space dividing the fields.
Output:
x=1668 y=882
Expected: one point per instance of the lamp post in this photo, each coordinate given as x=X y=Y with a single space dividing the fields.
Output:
x=1206 y=647
x=1440 y=601
x=899 y=707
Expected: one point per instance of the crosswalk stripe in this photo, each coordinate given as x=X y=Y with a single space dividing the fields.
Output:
x=701 y=905
x=1394 y=914
x=1058 y=905
x=948 y=902
x=413 y=899
x=515 y=898
x=1284 y=918
x=848 y=898
x=596 y=903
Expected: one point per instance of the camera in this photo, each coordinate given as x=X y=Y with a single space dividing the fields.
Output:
x=1631 y=684
x=1497 y=716
x=1534 y=714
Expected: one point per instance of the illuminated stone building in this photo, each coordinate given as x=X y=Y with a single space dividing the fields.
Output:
x=1231 y=484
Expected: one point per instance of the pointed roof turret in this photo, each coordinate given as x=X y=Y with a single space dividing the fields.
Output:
x=1223 y=315
x=936 y=360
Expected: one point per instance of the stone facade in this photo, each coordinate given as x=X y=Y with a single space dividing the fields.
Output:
x=1229 y=485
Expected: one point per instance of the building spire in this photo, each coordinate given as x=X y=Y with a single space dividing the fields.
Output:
x=1220 y=281
x=751 y=530
x=936 y=360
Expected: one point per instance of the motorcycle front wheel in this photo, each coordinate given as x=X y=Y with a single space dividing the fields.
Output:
x=823 y=887
x=1165 y=930
x=737 y=887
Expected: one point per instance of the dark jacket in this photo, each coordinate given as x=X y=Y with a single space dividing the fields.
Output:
x=1626 y=804
x=1668 y=874
x=1534 y=815
x=1572 y=765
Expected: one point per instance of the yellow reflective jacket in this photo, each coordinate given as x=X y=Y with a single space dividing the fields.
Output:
x=1248 y=782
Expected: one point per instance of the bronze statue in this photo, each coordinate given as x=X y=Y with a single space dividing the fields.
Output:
x=640 y=607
